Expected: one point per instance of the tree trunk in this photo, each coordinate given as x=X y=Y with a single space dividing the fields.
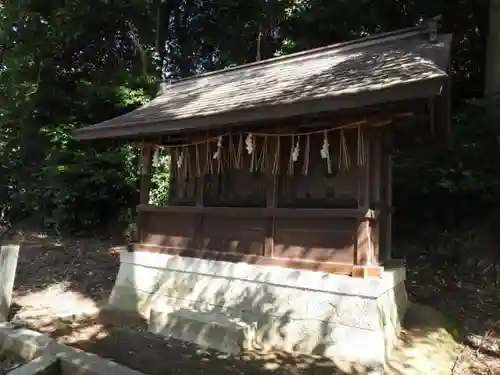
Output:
x=163 y=12
x=180 y=18
x=492 y=71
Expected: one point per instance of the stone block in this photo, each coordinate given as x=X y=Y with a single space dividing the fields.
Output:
x=8 y=264
x=205 y=329
x=129 y=299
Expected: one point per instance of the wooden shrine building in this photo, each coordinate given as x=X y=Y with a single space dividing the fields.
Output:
x=279 y=168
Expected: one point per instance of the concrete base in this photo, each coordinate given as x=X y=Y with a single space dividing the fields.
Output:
x=228 y=306
x=8 y=264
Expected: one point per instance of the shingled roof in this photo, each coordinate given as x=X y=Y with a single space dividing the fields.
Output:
x=390 y=67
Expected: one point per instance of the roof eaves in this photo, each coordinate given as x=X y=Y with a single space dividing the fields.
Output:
x=406 y=91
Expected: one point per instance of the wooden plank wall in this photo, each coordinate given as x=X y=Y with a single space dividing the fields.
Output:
x=252 y=233
x=316 y=239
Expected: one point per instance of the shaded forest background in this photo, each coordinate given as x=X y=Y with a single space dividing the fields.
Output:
x=68 y=64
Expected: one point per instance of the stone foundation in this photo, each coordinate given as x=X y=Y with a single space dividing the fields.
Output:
x=292 y=310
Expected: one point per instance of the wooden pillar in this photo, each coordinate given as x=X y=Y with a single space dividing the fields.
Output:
x=363 y=254
x=364 y=173
x=375 y=169
x=370 y=192
x=386 y=213
x=200 y=194
x=364 y=246
x=271 y=202
x=375 y=189
x=146 y=159
x=365 y=264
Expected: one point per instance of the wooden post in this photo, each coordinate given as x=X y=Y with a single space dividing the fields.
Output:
x=200 y=194
x=375 y=189
x=146 y=158
x=364 y=247
x=271 y=202
x=388 y=238
x=371 y=195
x=364 y=173
x=375 y=169
x=386 y=214
x=365 y=264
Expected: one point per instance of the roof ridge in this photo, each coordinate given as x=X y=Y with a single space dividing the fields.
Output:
x=338 y=47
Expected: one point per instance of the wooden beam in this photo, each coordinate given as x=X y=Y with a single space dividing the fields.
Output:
x=304 y=213
x=367 y=271
x=327 y=267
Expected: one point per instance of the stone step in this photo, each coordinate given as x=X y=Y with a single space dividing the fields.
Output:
x=207 y=329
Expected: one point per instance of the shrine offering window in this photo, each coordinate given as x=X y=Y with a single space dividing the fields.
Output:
x=316 y=181
x=238 y=178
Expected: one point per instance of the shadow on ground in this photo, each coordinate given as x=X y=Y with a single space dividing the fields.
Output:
x=127 y=342
x=426 y=347
x=70 y=271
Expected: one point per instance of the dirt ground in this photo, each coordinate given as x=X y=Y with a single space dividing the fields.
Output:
x=58 y=277
x=126 y=341
x=132 y=346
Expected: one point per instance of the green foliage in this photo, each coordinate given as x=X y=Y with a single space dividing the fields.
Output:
x=466 y=172
x=447 y=199
x=82 y=189
x=160 y=181
x=65 y=67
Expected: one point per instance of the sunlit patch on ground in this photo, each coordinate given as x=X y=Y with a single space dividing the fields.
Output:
x=54 y=301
